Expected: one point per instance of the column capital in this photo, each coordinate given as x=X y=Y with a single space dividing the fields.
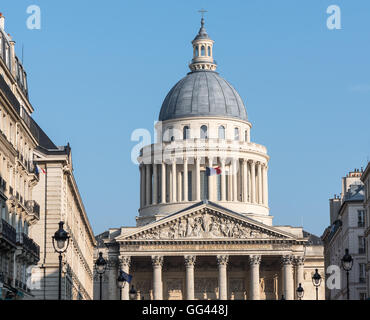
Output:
x=286 y=260
x=254 y=259
x=299 y=260
x=124 y=261
x=190 y=261
x=245 y=160
x=222 y=260
x=157 y=261
x=252 y=162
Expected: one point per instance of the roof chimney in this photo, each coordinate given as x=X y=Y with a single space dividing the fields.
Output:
x=2 y=21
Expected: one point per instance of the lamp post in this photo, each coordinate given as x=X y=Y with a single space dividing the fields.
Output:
x=101 y=266
x=316 y=280
x=121 y=282
x=300 y=292
x=132 y=293
x=60 y=244
x=347 y=263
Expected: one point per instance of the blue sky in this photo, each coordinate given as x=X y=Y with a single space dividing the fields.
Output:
x=98 y=70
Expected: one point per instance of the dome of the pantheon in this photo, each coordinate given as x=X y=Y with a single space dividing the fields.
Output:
x=202 y=92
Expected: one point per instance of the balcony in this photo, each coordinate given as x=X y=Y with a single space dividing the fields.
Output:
x=33 y=208
x=28 y=244
x=2 y=185
x=7 y=232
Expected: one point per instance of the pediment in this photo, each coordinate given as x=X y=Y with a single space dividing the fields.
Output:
x=206 y=223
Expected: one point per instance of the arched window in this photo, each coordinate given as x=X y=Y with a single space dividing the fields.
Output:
x=203 y=51
x=221 y=132
x=236 y=134
x=186 y=133
x=203 y=132
x=246 y=136
x=209 y=51
x=168 y=135
x=196 y=51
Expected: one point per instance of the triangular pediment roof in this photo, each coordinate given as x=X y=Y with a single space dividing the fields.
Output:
x=206 y=221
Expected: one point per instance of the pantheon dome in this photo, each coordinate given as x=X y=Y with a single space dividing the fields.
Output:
x=202 y=93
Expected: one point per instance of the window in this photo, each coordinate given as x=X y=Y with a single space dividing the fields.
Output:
x=190 y=186
x=219 y=187
x=209 y=51
x=221 y=132
x=203 y=51
x=196 y=51
x=362 y=273
x=186 y=132
x=361 y=218
x=246 y=136
x=361 y=245
x=236 y=134
x=203 y=132
x=362 y=295
x=189 y=175
x=203 y=185
x=168 y=134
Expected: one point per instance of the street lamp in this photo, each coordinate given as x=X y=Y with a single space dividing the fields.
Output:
x=132 y=293
x=121 y=282
x=60 y=244
x=300 y=292
x=101 y=266
x=316 y=280
x=347 y=263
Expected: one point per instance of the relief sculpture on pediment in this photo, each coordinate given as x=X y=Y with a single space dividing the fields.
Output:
x=205 y=226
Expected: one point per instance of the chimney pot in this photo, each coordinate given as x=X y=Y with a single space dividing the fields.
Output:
x=2 y=21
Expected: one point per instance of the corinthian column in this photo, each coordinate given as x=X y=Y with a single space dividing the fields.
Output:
x=197 y=179
x=113 y=274
x=174 y=184
x=265 y=185
x=259 y=170
x=155 y=184
x=254 y=262
x=299 y=262
x=163 y=183
x=189 y=265
x=253 y=181
x=222 y=276
x=288 y=277
x=125 y=265
x=210 y=181
x=157 y=262
x=223 y=180
x=235 y=180
x=186 y=192
x=245 y=181
x=148 y=183
x=142 y=186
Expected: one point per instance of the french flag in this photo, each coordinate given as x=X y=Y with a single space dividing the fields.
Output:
x=38 y=169
x=213 y=171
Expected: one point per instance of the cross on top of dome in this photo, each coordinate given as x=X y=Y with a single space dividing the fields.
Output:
x=202 y=50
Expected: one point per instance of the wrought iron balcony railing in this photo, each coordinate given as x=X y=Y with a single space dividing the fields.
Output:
x=28 y=244
x=7 y=232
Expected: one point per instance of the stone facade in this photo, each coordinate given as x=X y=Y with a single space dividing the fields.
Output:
x=18 y=174
x=347 y=219
x=365 y=178
x=37 y=190
x=204 y=230
x=60 y=200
